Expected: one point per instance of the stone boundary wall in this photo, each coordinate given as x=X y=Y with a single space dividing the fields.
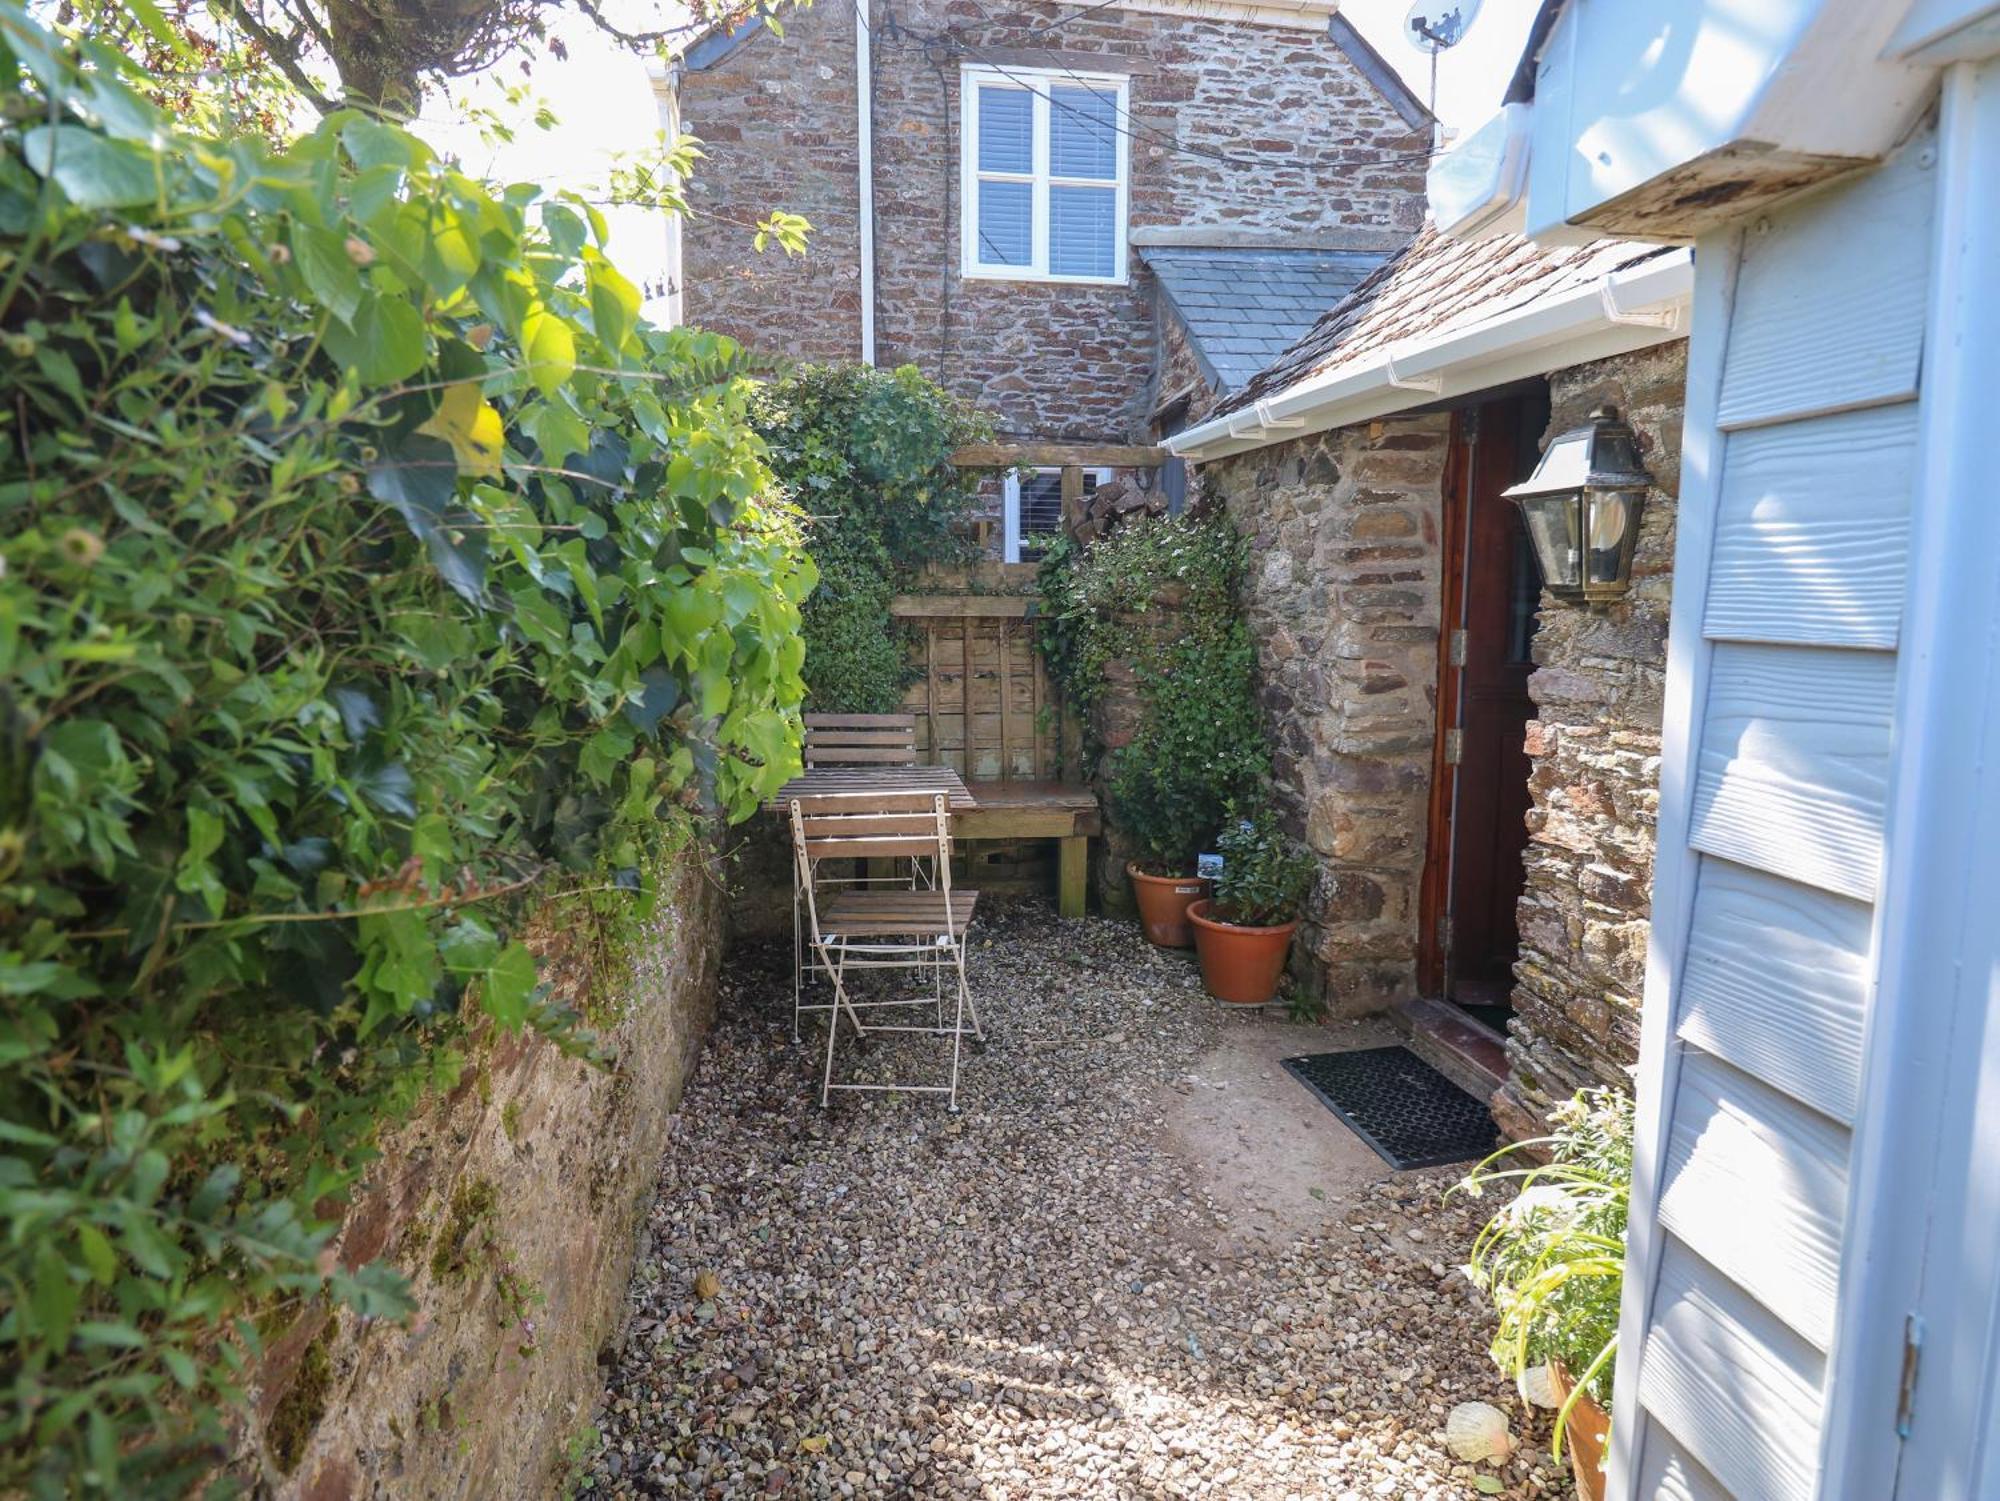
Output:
x=515 y=1204
x=1343 y=599
x=1595 y=743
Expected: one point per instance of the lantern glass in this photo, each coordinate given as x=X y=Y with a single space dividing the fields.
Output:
x=1553 y=527
x=1613 y=530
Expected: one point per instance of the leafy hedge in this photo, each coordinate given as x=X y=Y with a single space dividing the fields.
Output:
x=867 y=455
x=369 y=568
x=1164 y=596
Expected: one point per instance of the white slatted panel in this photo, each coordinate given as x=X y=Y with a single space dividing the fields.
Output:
x=1739 y=1389
x=1756 y=1185
x=1808 y=350
x=1667 y=1472
x=1776 y=982
x=1794 y=761
x=1830 y=303
x=1813 y=528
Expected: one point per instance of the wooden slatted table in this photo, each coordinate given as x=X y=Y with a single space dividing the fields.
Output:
x=817 y=781
x=997 y=810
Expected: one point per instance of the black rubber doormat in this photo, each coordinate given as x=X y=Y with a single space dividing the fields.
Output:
x=1412 y=1115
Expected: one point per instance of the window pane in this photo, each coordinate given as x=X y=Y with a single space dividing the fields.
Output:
x=1041 y=502
x=1006 y=130
x=1006 y=223
x=1083 y=231
x=1083 y=133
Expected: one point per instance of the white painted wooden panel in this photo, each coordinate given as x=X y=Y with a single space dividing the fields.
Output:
x=1738 y=1388
x=1813 y=530
x=1756 y=1185
x=1830 y=300
x=1667 y=1472
x=1794 y=763
x=1776 y=982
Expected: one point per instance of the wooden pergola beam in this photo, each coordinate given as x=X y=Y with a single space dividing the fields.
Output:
x=1059 y=455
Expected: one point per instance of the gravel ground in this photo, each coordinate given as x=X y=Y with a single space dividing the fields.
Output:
x=1039 y=1296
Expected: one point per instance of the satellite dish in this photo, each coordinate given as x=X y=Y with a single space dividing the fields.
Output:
x=1434 y=26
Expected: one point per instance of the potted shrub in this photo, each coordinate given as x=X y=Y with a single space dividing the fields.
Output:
x=1144 y=630
x=1553 y=1263
x=1243 y=935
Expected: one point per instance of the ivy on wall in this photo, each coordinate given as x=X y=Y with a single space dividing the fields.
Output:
x=1162 y=596
x=866 y=454
x=369 y=568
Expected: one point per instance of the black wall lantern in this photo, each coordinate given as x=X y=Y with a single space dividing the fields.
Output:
x=1582 y=507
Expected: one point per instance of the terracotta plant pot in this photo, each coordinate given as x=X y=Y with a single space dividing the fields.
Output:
x=1589 y=1430
x=1163 y=903
x=1238 y=964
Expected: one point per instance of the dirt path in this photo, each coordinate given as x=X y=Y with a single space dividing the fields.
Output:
x=1140 y=1262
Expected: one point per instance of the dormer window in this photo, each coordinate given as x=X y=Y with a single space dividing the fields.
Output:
x=1046 y=173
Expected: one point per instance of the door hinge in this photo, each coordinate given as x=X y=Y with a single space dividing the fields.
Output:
x=1458 y=648
x=1454 y=746
x=1906 y=1389
x=1444 y=932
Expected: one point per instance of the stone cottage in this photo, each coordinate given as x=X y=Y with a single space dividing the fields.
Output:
x=1475 y=763
x=1083 y=221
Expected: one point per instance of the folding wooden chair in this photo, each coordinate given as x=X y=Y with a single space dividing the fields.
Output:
x=862 y=741
x=862 y=928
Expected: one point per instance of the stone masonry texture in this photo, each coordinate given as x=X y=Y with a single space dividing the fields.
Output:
x=1343 y=598
x=1312 y=155
x=1595 y=745
x=515 y=1204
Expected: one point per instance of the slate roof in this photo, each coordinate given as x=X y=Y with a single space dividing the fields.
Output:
x=1431 y=286
x=1244 y=308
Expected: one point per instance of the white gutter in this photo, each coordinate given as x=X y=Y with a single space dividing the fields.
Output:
x=1631 y=309
x=864 y=78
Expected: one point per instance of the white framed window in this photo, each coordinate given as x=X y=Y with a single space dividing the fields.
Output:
x=1032 y=509
x=1045 y=174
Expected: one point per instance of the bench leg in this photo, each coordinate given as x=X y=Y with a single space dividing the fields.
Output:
x=1073 y=874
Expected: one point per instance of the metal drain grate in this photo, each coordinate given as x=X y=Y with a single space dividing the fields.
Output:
x=1412 y=1115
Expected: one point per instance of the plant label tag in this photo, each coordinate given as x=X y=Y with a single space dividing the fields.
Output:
x=1208 y=866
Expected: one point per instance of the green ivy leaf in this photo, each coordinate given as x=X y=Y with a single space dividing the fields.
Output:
x=382 y=343
x=510 y=986
x=330 y=273
x=92 y=170
x=550 y=348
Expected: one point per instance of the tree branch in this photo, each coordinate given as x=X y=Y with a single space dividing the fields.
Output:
x=285 y=56
x=654 y=38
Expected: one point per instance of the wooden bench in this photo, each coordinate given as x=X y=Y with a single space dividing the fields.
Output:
x=983 y=703
x=1040 y=810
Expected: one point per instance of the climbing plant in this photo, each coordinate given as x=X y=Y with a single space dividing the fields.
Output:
x=1162 y=596
x=866 y=454
x=370 y=568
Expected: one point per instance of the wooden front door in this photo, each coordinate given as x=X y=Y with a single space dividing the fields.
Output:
x=1479 y=788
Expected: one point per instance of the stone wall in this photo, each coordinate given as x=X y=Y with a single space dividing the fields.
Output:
x=1596 y=748
x=515 y=1204
x=776 y=121
x=1343 y=597
x=1312 y=154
